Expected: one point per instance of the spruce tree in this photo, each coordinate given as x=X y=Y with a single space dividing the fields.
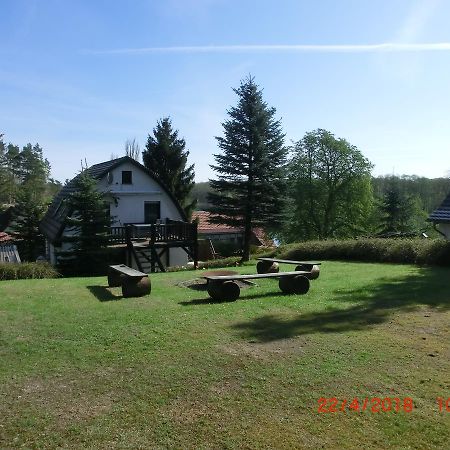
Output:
x=165 y=155
x=250 y=186
x=27 y=214
x=87 y=229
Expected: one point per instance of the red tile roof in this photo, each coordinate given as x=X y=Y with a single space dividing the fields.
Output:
x=205 y=226
x=5 y=237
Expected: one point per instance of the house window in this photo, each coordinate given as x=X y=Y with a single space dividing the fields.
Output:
x=152 y=212
x=127 y=177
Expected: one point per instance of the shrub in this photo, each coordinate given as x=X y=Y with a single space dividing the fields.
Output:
x=13 y=271
x=409 y=251
x=211 y=264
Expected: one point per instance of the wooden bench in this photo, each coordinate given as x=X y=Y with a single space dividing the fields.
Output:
x=270 y=265
x=225 y=288
x=133 y=282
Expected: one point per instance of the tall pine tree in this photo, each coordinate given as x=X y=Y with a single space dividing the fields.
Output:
x=250 y=185
x=87 y=229
x=165 y=155
x=27 y=215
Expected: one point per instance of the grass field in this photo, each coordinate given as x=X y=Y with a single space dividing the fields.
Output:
x=80 y=367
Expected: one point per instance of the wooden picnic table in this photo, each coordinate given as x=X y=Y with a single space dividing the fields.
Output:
x=270 y=265
x=225 y=288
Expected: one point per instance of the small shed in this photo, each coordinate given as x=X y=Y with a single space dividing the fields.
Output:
x=441 y=217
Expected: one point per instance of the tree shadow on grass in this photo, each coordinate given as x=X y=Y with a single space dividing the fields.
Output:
x=373 y=304
x=103 y=294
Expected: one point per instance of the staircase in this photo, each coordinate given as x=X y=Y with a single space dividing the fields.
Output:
x=144 y=257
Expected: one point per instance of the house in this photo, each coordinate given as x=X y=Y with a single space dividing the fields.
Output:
x=441 y=217
x=224 y=235
x=140 y=203
x=8 y=251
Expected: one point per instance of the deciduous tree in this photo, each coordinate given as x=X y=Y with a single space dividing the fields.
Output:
x=330 y=189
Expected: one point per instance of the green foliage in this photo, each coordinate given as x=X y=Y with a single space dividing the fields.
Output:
x=199 y=194
x=87 y=229
x=330 y=189
x=410 y=251
x=250 y=184
x=27 y=215
x=165 y=155
x=26 y=168
x=430 y=192
x=13 y=271
x=401 y=212
x=232 y=261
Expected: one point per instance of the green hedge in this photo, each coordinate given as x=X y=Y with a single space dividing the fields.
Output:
x=13 y=271
x=409 y=251
x=211 y=264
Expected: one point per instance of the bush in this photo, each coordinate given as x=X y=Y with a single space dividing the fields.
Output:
x=211 y=264
x=408 y=251
x=13 y=271
x=109 y=256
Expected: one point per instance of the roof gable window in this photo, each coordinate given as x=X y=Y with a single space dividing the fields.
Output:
x=127 y=177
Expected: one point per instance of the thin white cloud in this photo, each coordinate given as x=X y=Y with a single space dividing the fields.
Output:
x=388 y=47
x=417 y=20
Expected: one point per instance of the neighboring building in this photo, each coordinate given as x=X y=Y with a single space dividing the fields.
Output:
x=135 y=195
x=219 y=233
x=5 y=237
x=8 y=251
x=441 y=217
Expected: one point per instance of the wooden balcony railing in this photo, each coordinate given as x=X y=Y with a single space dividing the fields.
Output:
x=172 y=231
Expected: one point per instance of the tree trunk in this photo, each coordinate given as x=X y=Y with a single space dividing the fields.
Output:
x=247 y=238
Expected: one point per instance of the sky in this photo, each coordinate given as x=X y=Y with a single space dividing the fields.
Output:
x=80 y=77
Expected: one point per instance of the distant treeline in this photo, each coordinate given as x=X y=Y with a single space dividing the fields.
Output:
x=429 y=191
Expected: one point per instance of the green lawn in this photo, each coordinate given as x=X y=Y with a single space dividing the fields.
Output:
x=80 y=367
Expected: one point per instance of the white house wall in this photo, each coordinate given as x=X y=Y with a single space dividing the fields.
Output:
x=131 y=197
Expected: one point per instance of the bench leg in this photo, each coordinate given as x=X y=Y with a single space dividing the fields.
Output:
x=114 y=278
x=314 y=270
x=135 y=287
x=267 y=267
x=227 y=291
x=294 y=285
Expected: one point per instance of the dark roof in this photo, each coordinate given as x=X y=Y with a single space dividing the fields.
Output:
x=441 y=214
x=52 y=225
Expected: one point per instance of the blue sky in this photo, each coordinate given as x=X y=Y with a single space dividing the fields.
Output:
x=82 y=77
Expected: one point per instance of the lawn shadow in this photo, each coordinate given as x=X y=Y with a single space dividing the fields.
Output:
x=209 y=300
x=103 y=294
x=372 y=304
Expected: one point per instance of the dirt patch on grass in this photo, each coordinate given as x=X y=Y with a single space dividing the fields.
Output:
x=190 y=411
x=226 y=387
x=64 y=400
x=265 y=350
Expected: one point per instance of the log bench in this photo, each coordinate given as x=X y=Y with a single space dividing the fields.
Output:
x=134 y=283
x=225 y=288
x=270 y=265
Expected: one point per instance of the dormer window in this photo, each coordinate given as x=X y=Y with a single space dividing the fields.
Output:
x=127 y=177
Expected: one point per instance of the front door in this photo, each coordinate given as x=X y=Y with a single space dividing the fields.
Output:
x=152 y=212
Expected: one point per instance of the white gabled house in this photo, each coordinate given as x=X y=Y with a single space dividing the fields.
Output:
x=137 y=199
